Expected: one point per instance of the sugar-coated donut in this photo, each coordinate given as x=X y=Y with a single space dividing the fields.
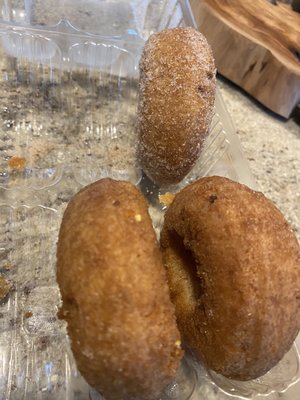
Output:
x=233 y=265
x=176 y=99
x=115 y=296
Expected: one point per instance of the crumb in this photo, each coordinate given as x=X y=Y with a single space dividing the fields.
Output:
x=4 y=288
x=17 y=163
x=8 y=266
x=166 y=198
x=28 y=314
x=138 y=217
x=178 y=347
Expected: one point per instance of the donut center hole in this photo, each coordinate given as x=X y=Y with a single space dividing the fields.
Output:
x=186 y=267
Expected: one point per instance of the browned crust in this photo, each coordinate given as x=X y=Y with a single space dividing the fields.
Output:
x=233 y=265
x=115 y=294
x=176 y=98
x=4 y=288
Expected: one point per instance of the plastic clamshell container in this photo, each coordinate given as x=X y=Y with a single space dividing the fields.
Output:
x=68 y=98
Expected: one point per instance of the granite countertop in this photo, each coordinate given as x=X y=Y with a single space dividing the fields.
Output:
x=272 y=147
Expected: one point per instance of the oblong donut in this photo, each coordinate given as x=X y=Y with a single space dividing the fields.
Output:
x=176 y=98
x=115 y=296
x=233 y=265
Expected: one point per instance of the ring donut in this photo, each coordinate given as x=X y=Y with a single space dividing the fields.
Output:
x=233 y=265
x=115 y=296
x=176 y=99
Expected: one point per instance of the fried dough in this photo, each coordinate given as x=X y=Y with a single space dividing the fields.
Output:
x=233 y=264
x=176 y=99
x=115 y=295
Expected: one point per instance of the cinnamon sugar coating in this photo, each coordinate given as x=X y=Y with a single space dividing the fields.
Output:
x=176 y=99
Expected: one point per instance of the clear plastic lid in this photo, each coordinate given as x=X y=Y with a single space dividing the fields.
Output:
x=68 y=112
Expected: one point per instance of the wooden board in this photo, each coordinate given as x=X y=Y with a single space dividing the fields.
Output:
x=257 y=46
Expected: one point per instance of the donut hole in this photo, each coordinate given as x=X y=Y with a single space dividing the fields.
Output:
x=184 y=265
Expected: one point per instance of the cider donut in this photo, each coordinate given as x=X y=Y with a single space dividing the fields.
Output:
x=176 y=99
x=115 y=296
x=233 y=265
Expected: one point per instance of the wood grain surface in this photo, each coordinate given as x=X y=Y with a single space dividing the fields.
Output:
x=257 y=46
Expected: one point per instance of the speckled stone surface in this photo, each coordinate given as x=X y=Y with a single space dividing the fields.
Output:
x=272 y=147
